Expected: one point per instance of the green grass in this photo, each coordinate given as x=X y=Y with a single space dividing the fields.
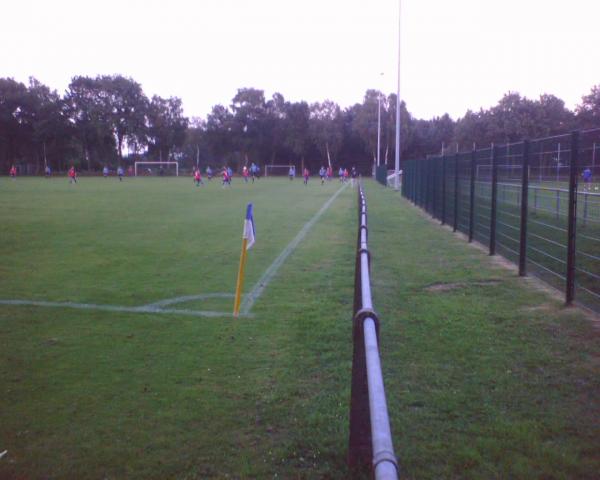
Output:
x=488 y=378
x=547 y=234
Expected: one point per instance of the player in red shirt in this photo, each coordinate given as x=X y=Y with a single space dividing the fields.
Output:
x=306 y=174
x=225 y=176
x=72 y=175
x=13 y=172
x=245 y=173
x=198 y=177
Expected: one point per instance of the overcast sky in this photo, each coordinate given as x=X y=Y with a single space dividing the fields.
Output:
x=456 y=54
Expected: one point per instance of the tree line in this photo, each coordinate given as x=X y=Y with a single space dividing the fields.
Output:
x=108 y=120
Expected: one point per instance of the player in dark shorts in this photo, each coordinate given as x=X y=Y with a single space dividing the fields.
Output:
x=198 y=177
x=72 y=175
x=322 y=173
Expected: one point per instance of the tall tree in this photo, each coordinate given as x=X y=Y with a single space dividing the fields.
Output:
x=126 y=107
x=365 y=121
x=326 y=128
x=196 y=149
x=406 y=130
x=273 y=127
x=588 y=111
x=219 y=125
x=166 y=126
x=297 y=134
x=248 y=124
x=52 y=131
x=88 y=110
x=15 y=126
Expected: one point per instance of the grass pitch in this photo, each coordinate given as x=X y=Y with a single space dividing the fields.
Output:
x=486 y=377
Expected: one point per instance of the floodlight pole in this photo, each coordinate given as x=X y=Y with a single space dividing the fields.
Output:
x=397 y=170
x=378 y=127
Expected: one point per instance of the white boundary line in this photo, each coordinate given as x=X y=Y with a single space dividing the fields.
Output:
x=270 y=272
x=152 y=308
x=188 y=298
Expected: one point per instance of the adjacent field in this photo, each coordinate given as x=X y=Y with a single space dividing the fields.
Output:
x=486 y=377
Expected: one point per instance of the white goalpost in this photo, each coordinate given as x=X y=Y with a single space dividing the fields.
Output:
x=156 y=164
x=277 y=170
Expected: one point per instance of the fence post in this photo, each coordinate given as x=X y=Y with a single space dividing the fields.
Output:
x=455 y=226
x=422 y=184
x=472 y=197
x=434 y=187
x=414 y=169
x=557 y=203
x=572 y=231
x=408 y=176
x=443 y=189
x=425 y=185
x=585 y=208
x=494 y=200
x=524 y=206
x=429 y=186
x=415 y=183
x=418 y=180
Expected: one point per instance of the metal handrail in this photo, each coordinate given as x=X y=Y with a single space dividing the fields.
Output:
x=370 y=433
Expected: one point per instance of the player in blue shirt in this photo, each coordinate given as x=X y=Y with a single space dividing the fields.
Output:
x=322 y=173
x=587 y=179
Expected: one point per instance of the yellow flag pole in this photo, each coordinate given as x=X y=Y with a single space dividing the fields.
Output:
x=240 y=280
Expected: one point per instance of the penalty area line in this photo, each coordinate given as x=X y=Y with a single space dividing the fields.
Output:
x=258 y=288
x=188 y=298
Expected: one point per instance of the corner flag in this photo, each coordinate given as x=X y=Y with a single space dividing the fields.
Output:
x=248 y=238
x=249 y=232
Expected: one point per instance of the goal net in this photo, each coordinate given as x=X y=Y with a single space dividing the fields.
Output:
x=483 y=173
x=156 y=169
x=272 y=170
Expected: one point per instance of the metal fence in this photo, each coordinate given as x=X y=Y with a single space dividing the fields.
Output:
x=370 y=442
x=532 y=202
x=381 y=173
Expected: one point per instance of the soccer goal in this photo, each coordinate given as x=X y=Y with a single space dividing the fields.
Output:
x=509 y=172
x=272 y=170
x=156 y=168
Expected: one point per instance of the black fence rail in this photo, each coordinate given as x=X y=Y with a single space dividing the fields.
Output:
x=535 y=202
x=370 y=443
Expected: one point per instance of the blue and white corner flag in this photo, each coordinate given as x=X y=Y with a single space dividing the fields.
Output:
x=249 y=233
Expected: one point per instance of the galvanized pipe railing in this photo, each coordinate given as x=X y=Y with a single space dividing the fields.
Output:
x=370 y=433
